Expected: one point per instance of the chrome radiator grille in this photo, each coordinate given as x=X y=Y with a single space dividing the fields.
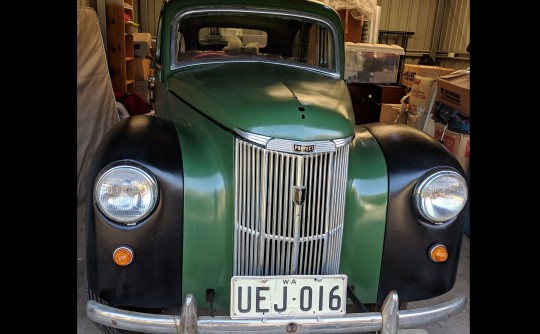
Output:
x=289 y=211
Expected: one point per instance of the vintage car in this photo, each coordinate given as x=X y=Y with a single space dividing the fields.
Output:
x=252 y=202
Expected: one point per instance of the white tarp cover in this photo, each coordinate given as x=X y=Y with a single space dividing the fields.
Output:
x=357 y=8
x=96 y=105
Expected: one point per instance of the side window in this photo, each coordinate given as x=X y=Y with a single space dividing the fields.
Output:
x=320 y=48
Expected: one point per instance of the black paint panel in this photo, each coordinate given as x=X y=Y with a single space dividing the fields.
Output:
x=154 y=279
x=406 y=268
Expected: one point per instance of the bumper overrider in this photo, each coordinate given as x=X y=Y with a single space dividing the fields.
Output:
x=388 y=321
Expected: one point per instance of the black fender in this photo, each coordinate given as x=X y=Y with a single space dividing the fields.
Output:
x=154 y=278
x=405 y=266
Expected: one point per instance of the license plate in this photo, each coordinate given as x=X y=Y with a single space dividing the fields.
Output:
x=278 y=296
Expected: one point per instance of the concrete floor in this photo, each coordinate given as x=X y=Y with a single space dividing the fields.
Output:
x=459 y=324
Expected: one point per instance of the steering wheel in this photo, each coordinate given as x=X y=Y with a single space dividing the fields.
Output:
x=210 y=54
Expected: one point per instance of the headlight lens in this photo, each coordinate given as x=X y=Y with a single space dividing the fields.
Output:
x=440 y=196
x=125 y=193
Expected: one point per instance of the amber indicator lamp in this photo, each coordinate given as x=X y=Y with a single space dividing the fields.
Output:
x=438 y=253
x=123 y=255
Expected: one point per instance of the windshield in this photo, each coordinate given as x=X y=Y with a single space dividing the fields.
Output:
x=243 y=35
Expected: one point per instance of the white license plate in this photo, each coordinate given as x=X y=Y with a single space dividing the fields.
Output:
x=278 y=296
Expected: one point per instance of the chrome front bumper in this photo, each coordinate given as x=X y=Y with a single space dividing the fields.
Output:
x=388 y=321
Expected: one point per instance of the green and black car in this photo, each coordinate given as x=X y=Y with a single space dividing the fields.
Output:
x=251 y=202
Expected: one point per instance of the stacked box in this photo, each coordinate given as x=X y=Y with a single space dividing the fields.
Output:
x=455 y=120
x=142 y=68
x=410 y=71
x=421 y=101
x=393 y=113
x=452 y=114
x=142 y=43
x=141 y=87
x=454 y=91
x=143 y=55
x=457 y=143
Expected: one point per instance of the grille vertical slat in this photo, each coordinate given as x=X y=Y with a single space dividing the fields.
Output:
x=328 y=214
x=248 y=220
x=279 y=245
x=313 y=214
x=320 y=213
x=253 y=212
x=262 y=204
x=289 y=221
x=273 y=234
x=267 y=212
x=285 y=165
x=271 y=173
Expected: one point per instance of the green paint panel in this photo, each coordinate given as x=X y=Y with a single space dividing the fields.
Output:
x=207 y=155
x=365 y=216
x=269 y=99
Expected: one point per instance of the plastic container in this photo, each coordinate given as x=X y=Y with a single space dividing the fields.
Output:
x=372 y=63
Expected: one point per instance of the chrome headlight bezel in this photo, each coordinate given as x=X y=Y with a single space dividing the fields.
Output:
x=420 y=200
x=149 y=192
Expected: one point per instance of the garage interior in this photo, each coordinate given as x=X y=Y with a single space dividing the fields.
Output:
x=405 y=62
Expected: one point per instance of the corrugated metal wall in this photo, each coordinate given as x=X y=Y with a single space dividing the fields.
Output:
x=419 y=17
x=455 y=35
x=456 y=27
x=87 y=3
x=152 y=9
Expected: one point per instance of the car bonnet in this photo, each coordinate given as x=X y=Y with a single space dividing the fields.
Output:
x=268 y=99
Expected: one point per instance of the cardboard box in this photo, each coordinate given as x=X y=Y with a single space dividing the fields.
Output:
x=393 y=113
x=454 y=90
x=455 y=120
x=411 y=70
x=429 y=126
x=416 y=121
x=457 y=143
x=421 y=99
x=141 y=87
x=142 y=43
x=142 y=68
x=372 y=63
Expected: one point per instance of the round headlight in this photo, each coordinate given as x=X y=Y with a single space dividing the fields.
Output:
x=125 y=193
x=440 y=196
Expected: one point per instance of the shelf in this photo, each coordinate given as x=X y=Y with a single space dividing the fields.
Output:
x=121 y=58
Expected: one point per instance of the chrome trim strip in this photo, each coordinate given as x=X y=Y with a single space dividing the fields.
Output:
x=286 y=145
x=173 y=66
x=349 y=323
x=433 y=313
x=328 y=209
x=262 y=205
x=343 y=141
x=258 y=60
x=252 y=137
